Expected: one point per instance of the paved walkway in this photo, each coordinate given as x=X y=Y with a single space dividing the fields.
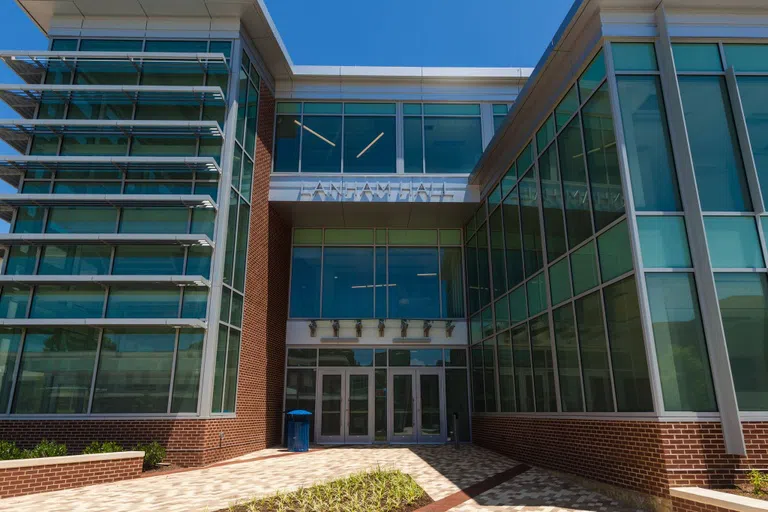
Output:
x=441 y=470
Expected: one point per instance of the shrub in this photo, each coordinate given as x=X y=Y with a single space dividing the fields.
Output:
x=9 y=451
x=102 y=447
x=46 y=448
x=759 y=481
x=154 y=453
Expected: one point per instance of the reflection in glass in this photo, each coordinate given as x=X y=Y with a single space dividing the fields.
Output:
x=733 y=242
x=346 y=357
x=663 y=242
x=594 y=354
x=416 y=357
x=457 y=402
x=753 y=91
x=717 y=159
x=554 y=223
x=567 y=360
x=512 y=241
x=358 y=405
x=347 y=282
x=287 y=134
x=429 y=394
x=321 y=144
x=305 y=282
x=521 y=355
x=543 y=369
x=402 y=400
x=497 y=253
x=330 y=423
x=574 y=176
x=533 y=253
x=686 y=380
x=452 y=144
x=369 y=144
x=506 y=372
x=451 y=283
x=413 y=283
x=743 y=302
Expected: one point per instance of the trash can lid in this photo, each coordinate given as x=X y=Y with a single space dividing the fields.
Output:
x=299 y=412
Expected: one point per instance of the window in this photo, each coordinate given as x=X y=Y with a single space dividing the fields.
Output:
x=321 y=144
x=417 y=357
x=592 y=76
x=663 y=242
x=348 y=357
x=696 y=57
x=681 y=349
x=630 y=368
x=9 y=348
x=55 y=372
x=595 y=365
x=347 y=282
x=154 y=220
x=21 y=260
x=634 y=56
x=753 y=90
x=452 y=138
x=451 y=283
x=413 y=280
x=75 y=260
x=81 y=220
x=733 y=242
x=134 y=371
x=717 y=159
x=554 y=223
x=128 y=302
x=497 y=253
x=584 y=268
x=602 y=159
x=506 y=372
x=518 y=305
x=186 y=377
x=537 y=294
x=67 y=301
x=305 y=282
x=743 y=302
x=287 y=135
x=533 y=253
x=574 y=176
x=512 y=241
x=369 y=141
x=137 y=260
x=14 y=301
x=615 y=253
x=521 y=355
x=560 y=281
x=567 y=360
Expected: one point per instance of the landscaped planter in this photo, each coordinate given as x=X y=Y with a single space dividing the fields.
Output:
x=29 y=476
x=695 y=499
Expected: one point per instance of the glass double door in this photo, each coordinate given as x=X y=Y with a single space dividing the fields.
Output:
x=416 y=405
x=344 y=406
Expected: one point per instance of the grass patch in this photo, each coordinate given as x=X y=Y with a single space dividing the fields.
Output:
x=378 y=490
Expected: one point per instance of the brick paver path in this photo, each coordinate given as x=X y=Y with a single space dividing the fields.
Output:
x=440 y=470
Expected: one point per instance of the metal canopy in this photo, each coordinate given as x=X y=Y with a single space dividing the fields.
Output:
x=106 y=239
x=139 y=280
x=31 y=66
x=12 y=167
x=25 y=99
x=8 y=202
x=18 y=132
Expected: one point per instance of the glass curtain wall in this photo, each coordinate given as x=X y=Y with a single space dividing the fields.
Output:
x=549 y=263
x=361 y=137
x=236 y=250
x=376 y=273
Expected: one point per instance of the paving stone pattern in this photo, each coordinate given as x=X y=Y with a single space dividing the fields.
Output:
x=440 y=470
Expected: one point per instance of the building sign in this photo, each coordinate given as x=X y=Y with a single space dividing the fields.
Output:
x=390 y=189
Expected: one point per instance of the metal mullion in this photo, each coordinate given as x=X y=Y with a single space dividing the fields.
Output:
x=707 y=292
x=16 y=370
x=173 y=369
x=95 y=371
x=112 y=256
x=745 y=144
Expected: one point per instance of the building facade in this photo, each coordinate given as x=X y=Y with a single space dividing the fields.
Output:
x=566 y=264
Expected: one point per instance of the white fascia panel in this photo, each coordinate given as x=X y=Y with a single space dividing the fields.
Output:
x=116 y=24
x=166 y=22
x=628 y=24
x=725 y=25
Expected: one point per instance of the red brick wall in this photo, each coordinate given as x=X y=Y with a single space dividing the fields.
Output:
x=53 y=477
x=258 y=421
x=644 y=456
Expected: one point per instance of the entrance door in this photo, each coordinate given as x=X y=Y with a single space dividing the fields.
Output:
x=416 y=405
x=344 y=406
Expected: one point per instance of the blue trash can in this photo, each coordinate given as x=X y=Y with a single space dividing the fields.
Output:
x=298 y=431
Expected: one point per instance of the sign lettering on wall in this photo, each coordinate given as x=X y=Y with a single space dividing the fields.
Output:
x=370 y=191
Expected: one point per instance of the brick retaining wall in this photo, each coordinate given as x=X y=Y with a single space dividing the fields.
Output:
x=29 y=476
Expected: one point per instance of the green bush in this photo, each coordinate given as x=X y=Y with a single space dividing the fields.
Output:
x=46 y=448
x=102 y=447
x=759 y=482
x=154 y=453
x=9 y=451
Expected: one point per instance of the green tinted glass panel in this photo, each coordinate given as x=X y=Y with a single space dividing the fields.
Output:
x=451 y=282
x=369 y=144
x=321 y=144
x=537 y=294
x=501 y=313
x=521 y=355
x=134 y=372
x=29 y=219
x=56 y=371
x=744 y=309
x=322 y=108
x=559 y=281
x=567 y=359
x=747 y=57
x=64 y=45
x=649 y=151
x=543 y=366
x=663 y=242
x=524 y=159
x=552 y=195
x=450 y=237
x=148 y=259
x=518 y=305
x=584 y=265
x=717 y=161
x=345 y=357
x=67 y=301
x=413 y=145
x=452 y=144
x=733 y=242
x=21 y=260
x=347 y=282
x=381 y=237
x=533 y=251
x=154 y=220
x=307 y=236
x=81 y=220
x=753 y=91
x=369 y=108
x=413 y=236
x=567 y=107
x=287 y=137
x=14 y=301
x=79 y=260
x=186 y=377
x=545 y=134
x=9 y=347
x=594 y=354
x=129 y=302
x=615 y=252
x=499 y=109
x=447 y=109
x=697 y=57
x=630 y=368
x=305 y=282
x=634 y=57
x=592 y=76
x=412 y=109
x=348 y=236
x=302 y=357
x=681 y=348
x=574 y=175
x=288 y=108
